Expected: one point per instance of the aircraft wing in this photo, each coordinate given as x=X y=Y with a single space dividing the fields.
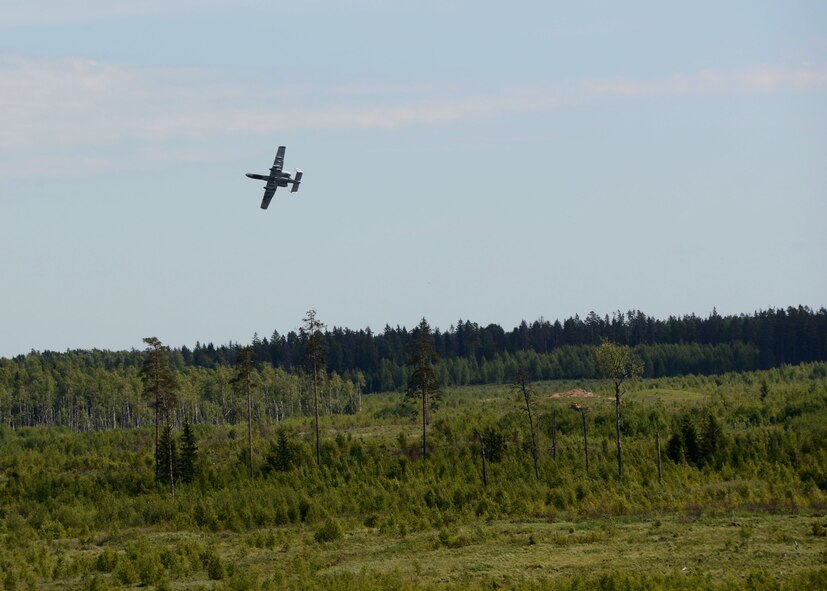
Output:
x=273 y=179
x=278 y=164
x=269 y=191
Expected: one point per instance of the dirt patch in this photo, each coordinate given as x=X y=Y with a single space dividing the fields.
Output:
x=576 y=393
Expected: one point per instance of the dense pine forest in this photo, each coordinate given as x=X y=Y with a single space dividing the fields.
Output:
x=102 y=389
x=724 y=343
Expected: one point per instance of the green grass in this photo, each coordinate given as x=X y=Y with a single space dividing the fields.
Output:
x=663 y=546
x=81 y=510
x=725 y=549
x=668 y=396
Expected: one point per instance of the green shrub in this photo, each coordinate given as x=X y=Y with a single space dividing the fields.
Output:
x=150 y=568
x=106 y=561
x=213 y=565
x=285 y=453
x=97 y=583
x=330 y=531
x=126 y=572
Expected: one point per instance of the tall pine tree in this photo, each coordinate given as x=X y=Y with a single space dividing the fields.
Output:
x=160 y=387
x=423 y=383
x=315 y=356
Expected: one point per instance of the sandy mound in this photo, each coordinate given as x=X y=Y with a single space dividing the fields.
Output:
x=576 y=393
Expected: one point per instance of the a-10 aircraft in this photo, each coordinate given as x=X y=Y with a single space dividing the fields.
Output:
x=277 y=178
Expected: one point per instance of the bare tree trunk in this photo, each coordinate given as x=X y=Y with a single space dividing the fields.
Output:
x=533 y=438
x=424 y=423
x=657 y=442
x=157 y=434
x=585 y=440
x=171 y=466
x=484 y=470
x=554 y=435
x=250 y=426
x=539 y=443
x=316 y=412
x=617 y=423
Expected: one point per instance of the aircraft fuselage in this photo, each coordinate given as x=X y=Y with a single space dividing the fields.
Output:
x=283 y=180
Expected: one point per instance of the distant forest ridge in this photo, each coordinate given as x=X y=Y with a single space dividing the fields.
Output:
x=471 y=353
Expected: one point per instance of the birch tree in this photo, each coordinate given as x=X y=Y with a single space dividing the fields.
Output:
x=620 y=366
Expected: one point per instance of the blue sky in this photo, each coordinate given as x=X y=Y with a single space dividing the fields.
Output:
x=463 y=160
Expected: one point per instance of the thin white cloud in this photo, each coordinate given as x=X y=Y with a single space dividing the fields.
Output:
x=74 y=103
x=47 y=12
x=36 y=12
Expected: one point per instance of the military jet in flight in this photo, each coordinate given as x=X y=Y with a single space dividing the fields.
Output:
x=277 y=178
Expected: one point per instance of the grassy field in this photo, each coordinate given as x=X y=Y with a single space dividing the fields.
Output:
x=82 y=510
x=718 y=551
x=506 y=552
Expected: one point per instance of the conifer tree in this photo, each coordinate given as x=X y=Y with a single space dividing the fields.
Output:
x=189 y=454
x=284 y=453
x=422 y=382
x=711 y=437
x=160 y=386
x=315 y=358
x=684 y=445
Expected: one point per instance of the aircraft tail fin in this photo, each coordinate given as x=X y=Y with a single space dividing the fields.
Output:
x=297 y=181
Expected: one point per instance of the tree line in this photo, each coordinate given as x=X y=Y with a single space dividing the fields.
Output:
x=95 y=389
x=81 y=391
x=760 y=340
x=482 y=354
